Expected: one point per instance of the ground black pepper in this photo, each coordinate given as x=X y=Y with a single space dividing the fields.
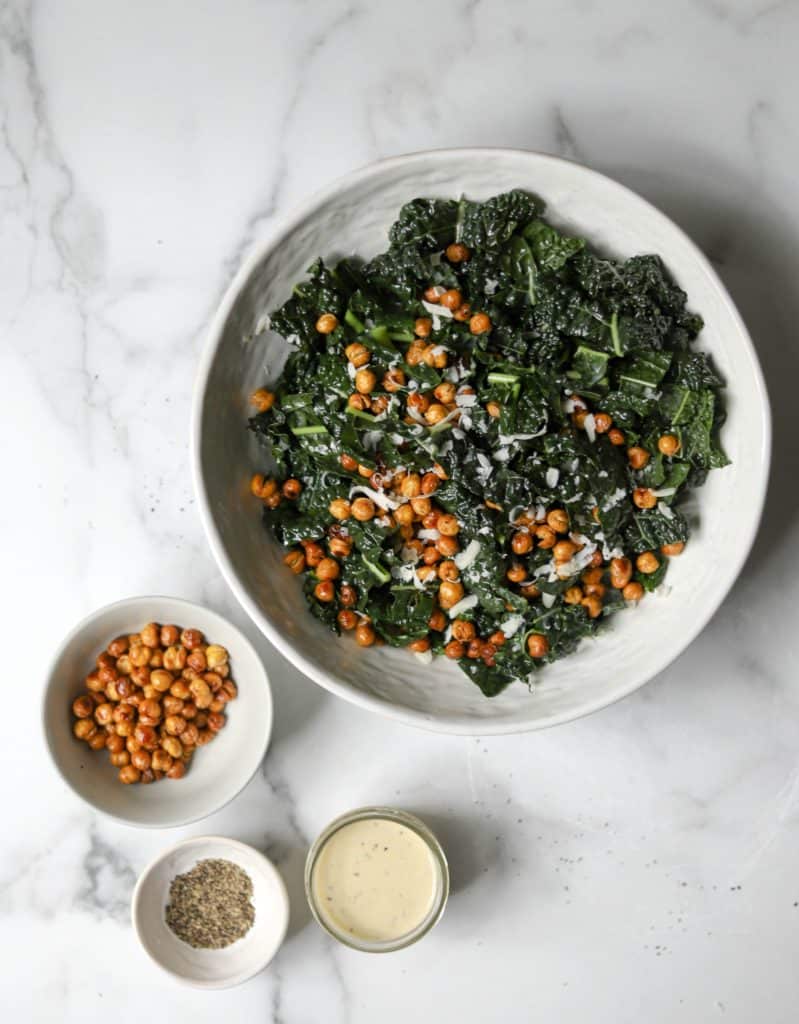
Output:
x=210 y=906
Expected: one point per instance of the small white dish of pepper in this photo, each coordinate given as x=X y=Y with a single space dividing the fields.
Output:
x=210 y=911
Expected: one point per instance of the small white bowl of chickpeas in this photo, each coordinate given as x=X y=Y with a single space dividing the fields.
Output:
x=157 y=712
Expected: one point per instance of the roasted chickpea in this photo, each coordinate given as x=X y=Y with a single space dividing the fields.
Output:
x=448 y=525
x=118 y=646
x=462 y=313
x=161 y=680
x=172 y=745
x=104 y=714
x=151 y=635
x=347 y=596
x=140 y=759
x=328 y=569
x=451 y=299
x=445 y=392
x=448 y=570
x=340 y=546
x=529 y=591
x=129 y=774
x=673 y=549
x=327 y=323
x=516 y=573
x=340 y=509
x=637 y=457
x=411 y=486
x=558 y=520
x=170 y=635
x=421 y=506
x=457 y=252
x=191 y=638
x=175 y=658
x=437 y=621
x=262 y=400
x=189 y=711
x=436 y=413
x=668 y=444
x=347 y=619
x=365 y=381
x=455 y=649
x=633 y=592
x=379 y=404
x=448 y=546
x=177 y=771
x=314 y=552
x=214 y=681
x=363 y=509
x=172 y=705
x=494 y=410
x=114 y=743
x=201 y=692
x=161 y=761
x=522 y=542
x=593 y=605
x=149 y=709
x=643 y=497
x=357 y=354
x=573 y=595
x=546 y=537
x=324 y=591
x=419 y=646
x=595 y=589
x=615 y=436
x=124 y=713
x=497 y=639
x=449 y=593
x=121 y=759
x=621 y=570
x=365 y=635
x=393 y=380
x=189 y=736
x=463 y=630
x=348 y=463
x=261 y=487
x=175 y=724
x=179 y=689
x=647 y=562
x=474 y=648
x=422 y=327
x=413 y=354
x=84 y=728
x=537 y=645
x=83 y=707
x=565 y=550
x=480 y=323
x=433 y=293
x=431 y=555
x=156 y=658
x=291 y=489
x=94 y=683
x=592 y=576
x=108 y=673
x=98 y=740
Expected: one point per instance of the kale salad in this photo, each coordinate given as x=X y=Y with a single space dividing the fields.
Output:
x=482 y=437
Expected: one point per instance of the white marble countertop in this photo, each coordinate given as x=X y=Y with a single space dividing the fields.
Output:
x=637 y=865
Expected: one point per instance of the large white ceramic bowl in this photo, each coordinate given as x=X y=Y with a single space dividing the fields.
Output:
x=352 y=216
x=217 y=771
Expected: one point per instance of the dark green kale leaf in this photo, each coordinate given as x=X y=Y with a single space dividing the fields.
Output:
x=489 y=225
x=425 y=225
x=550 y=248
x=653 y=527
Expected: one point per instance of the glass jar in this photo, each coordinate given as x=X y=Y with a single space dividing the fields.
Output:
x=333 y=912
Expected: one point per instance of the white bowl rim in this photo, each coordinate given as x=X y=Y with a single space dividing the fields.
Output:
x=76 y=631
x=266 y=865
x=272 y=238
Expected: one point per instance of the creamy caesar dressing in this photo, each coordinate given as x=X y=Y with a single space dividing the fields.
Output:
x=375 y=879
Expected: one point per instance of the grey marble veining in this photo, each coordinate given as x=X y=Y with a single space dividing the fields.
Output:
x=639 y=864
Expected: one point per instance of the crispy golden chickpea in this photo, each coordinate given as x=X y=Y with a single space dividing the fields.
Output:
x=261 y=487
x=633 y=592
x=426 y=572
x=421 y=506
x=151 y=635
x=480 y=323
x=564 y=550
x=537 y=645
x=448 y=546
x=416 y=400
x=497 y=639
x=494 y=410
x=522 y=542
x=429 y=485
x=348 y=596
x=177 y=771
x=602 y=422
x=201 y=693
x=84 y=728
x=593 y=605
x=156 y=658
x=124 y=666
x=592 y=576
x=615 y=436
x=455 y=649
x=451 y=299
x=379 y=403
x=172 y=705
x=340 y=509
x=431 y=555
x=546 y=537
x=437 y=621
x=393 y=380
x=463 y=630
x=411 y=486
x=129 y=774
x=422 y=327
x=189 y=711
x=291 y=489
x=449 y=593
x=139 y=657
x=638 y=457
x=172 y=745
x=170 y=635
x=324 y=591
x=328 y=569
x=643 y=497
x=357 y=354
x=621 y=570
x=175 y=658
x=295 y=560
x=347 y=619
x=419 y=646
x=363 y=509
x=433 y=293
x=435 y=355
x=457 y=252
x=365 y=635
x=150 y=709
x=140 y=759
x=175 y=724
x=573 y=595
x=462 y=313
x=262 y=400
x=516 y=573
x=447 y=570
x=189 y=736
x=530 y=591
x=196 y=660
x=558 y=520
x=668 y=444
x=435 y=413
x=314 y=552
x=83 y=707
x=647 y=562
x=146 y=736
x=358 y=401
x=448 y=525
x=214 y=681
x=191 y=638
x=348 y=463
x=340 y=546
x=365 y=381
x=327 y=323
x=104 y=714
x=672 y=549
x=274 y=502
x=445 y=393
x=216 y=721
x=94 y=683
x=161 y=680
x=98 y=741
x=413 y=354
x=114 y=743
x=474 y=648
x=118 y=646
x=595 y=589
x=161 y=761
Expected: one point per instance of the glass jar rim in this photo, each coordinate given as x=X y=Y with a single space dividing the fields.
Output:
x=434 y=846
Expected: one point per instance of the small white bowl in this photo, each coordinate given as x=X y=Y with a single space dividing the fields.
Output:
x=217 y=772
x=210 y=968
